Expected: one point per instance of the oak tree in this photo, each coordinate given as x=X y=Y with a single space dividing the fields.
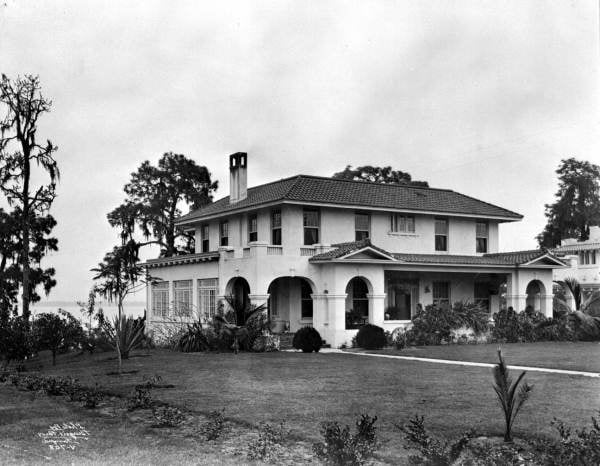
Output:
x=384 y=175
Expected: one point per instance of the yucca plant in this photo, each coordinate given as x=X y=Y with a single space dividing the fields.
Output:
x=124 y=334
x=511 y=395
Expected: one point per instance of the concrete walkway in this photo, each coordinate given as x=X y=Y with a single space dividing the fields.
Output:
x=464 y=363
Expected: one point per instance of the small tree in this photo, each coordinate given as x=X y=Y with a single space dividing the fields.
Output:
x=119 y=274
x=511 y=396
x=15 y=338
x=56 y=331
x=244 y=329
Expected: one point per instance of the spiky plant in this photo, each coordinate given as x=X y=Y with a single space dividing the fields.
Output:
x=511 y=395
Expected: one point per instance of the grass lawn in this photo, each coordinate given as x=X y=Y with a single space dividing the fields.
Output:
x=578 y=356
x=303 y=390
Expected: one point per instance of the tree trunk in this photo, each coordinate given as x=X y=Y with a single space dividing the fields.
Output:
x=25 y=250
x=54 y=357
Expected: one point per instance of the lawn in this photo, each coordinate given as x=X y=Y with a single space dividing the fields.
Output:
x=303 y=390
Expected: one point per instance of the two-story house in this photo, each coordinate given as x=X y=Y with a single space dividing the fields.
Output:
x=336 y=254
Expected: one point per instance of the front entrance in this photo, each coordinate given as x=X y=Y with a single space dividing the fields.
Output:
x=402 y=296
x=239 y=290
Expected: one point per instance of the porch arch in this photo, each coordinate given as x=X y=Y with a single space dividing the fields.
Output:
x=290 y=303
x=535 y=291
x=358 y=290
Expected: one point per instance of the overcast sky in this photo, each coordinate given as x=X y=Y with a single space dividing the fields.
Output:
x=483 y=97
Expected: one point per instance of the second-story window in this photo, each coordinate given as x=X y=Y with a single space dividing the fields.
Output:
x=276 y=227
x=224 y=233
x=441 y=234
x=252 y=228
x=362 y=223
x=204 y=236
x=481 y=236
x=311 y=226
x=402 y=223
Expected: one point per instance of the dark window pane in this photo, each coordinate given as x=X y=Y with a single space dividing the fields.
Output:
x=253 y=236
x=360 y=235
x=311 y=218
x=311 y=236
x=224 y=241
x=441 y=226
x=205 y=245
x=441 y=243
x=481 y=244
x=276 y=236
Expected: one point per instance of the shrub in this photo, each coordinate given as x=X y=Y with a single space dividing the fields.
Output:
x=193 y=340
x=530 y=326
x=215 y=426
x=341 y=447
x=433 y=324
x=267 y=446
x=370 y=337
x=167 y=416
x=140 y=398
x=576 y=447
x=91 y=397
x=307 y=339
x=433 y=450
x=16 y=342
x=258 y=324
x=56 y=332
x=266 y=343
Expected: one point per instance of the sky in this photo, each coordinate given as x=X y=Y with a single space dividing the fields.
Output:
x=482 y=97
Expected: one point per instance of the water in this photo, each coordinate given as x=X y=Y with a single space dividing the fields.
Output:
x=133 y=308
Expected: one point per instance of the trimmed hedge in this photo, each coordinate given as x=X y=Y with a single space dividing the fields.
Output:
x=307 y=339
x=370 y=337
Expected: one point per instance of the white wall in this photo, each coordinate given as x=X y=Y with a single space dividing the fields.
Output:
x=337 y=226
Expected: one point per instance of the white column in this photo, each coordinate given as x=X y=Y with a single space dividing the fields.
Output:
x=376 y=308
x=547 y=301
x=320 y=315
x=337 y=319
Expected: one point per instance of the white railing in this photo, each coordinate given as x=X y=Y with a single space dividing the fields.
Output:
x=307 y=251
x=274 y=251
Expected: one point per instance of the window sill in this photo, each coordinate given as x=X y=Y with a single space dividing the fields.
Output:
x=399 y=233
x=397 y=321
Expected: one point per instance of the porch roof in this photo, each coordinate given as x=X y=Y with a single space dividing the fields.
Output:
x=514 y=258
x=184 y=259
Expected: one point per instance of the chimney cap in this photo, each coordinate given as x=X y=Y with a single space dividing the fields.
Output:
x=239 y=159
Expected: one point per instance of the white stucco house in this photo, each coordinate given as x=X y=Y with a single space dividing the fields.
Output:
x=583 y=259
x=335 y=254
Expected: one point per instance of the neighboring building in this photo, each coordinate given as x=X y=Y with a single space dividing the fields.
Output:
x=336 y=254
x=583 y=258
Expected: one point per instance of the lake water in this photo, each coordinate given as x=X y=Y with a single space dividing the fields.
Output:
x=133 y=308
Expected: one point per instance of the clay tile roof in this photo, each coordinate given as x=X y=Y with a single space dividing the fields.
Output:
x=314 y=189
x=502 y=258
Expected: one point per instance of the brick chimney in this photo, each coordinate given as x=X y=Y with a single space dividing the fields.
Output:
x=238 y=176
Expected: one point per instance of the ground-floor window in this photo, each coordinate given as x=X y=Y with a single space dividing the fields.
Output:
x=306 y=300
x=160 y=299
x=441 y=294
x=207 y=297
x=182 y=298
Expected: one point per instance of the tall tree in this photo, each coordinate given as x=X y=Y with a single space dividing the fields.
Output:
x=20 y=153
x=577 y=204
x=11 y=272
x=155 y=196
x=384 y=175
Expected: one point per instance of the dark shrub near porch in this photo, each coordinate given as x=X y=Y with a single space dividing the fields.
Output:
x=308 y=340
x=370 y=337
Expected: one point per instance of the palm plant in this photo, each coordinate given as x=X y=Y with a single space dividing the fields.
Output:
x=241 y=332
x=583 y=302
x=511 y=395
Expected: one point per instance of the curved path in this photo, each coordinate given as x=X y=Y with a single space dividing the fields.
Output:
x=465 y=363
